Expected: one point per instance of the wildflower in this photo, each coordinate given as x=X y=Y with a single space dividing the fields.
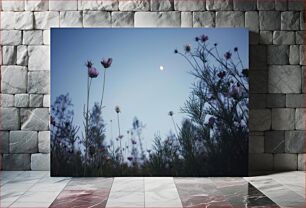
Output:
x=175 y=51
x=88 y=64
x=204 y=38
x=221 y=74
x=117 y=109
x=121 y=136
x=215 y=44
x=227 y=55
x=130 y=158
x=170 y=113
x=245 y=72
x=107 y=62
x=187 y=48
x=196 y=39
x=133 y=141
x=211 y=121
x=93 y=72
x=236 y=49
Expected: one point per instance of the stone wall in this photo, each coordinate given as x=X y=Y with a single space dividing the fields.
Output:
x=276 y=68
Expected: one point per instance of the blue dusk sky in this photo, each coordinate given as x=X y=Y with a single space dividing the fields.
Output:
x=134 y=81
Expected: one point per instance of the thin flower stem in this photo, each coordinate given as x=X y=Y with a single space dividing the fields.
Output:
x=174 y=124
x=86 y=125
x=103 y=88
x=119 y=136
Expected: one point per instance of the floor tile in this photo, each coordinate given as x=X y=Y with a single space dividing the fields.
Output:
x=128 y=185
x=125 y=200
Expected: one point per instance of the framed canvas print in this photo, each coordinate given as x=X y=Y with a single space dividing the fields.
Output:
x=149 y=102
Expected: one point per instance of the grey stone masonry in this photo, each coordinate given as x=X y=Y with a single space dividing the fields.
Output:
x=276 y=63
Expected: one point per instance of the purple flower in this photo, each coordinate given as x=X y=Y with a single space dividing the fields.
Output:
x=215 y=44
x=117 y=109
x=187 y=48
x=88 y=64
x=221 y=74
x=175 y=51
x=170 y=113
x=204 y=38
x=133 y=141
x=236 y=49
x=211 y=121
x=196 y=39
x=93 y=72
x=130 y=158
x=227 y=55
x=107 y=62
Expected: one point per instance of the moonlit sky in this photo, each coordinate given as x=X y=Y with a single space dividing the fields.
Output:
x=134 y=81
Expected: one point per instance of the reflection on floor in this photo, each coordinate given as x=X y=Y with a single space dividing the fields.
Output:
x=37 y=189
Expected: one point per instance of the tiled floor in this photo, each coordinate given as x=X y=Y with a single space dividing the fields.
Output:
x=38 y=189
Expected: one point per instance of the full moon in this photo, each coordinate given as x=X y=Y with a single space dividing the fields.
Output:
x=161 y=67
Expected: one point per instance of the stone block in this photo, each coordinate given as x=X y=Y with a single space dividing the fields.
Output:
x=285 y=162
x=278 y=54
x=283 y=37
x=45 y=20
x=285 y=79
x=281 y=5
x=258 y=56
x=290 y=20
x=294 y=54
x=12 y=5
x=265 y=37
x=294 y=141
x=22 y=55
x=252 y=21
x=265 y=5
x=256 y=144
x=245 y=5
x=16 y=162
x=257 y=101
x=162 y=5
x=195 y=5
x=283 y=118
x=295 y=100
x=46 y=37
x=216 y=5
x=44 y=141
x=13 y=79
x=260 y=119
x=39 y=58
x=300 y=119
x=302 y=20
x=297 y=5
x=186 y=19
x=7 y=20
x=97 y=19
x=301 y=161
x=134 y=5
x=258 y=81
x=274 y=141
x=299 y=37
x=276 y=100
x=71 y=19
x=23 y=142
x=46 y=101
x=63 y=5
x=229 y=19
x=99 y=5
x=24 y=20
x=33 y=37
x=203 y=19
x=6 y=100
x=21 y=100
x=35 y=120
x=122 y=19
x=260 y=162
x=37 y=5
x=36 y=100
x=9 y=54
x=269 y=20
x=39 y=82
x=40 y=162
x=11 y=37
x=157 y=19
x=4 y=141
x=302 y=55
